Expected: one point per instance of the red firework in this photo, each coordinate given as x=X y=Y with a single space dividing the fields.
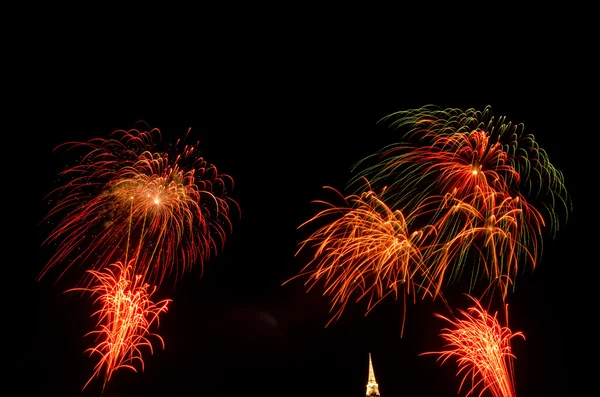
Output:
x=124 y=319
x=482 y=349
x=125 y=199
x=476 y=174
x=464 y=152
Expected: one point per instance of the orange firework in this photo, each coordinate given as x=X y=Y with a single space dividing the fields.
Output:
x=486 y=233
x=124 y=199
x=481 y=347
x=367 y=251
x=124 y=319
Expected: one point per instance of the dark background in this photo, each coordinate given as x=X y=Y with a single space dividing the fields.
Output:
x=284 y=118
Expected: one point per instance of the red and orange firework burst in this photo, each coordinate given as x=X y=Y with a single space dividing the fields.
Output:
x=124 y=319
x=482 y=349
x=461 y=151
x=482 y=171
x=367 y=252
x=125 y=199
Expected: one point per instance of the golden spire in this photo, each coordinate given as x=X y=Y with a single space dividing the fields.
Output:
x=372 y=386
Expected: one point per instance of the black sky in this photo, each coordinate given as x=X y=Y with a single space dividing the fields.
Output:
x=284 y=122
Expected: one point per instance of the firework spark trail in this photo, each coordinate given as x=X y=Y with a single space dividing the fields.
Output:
x=487 y=234
x=454 y=150
x=124 y=319
x=482 y=349
x=124 y=199
x=367 y=251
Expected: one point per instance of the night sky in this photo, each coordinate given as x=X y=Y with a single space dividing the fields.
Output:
x=284 y=123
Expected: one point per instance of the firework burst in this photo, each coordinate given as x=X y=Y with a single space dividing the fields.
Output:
x=483 y=180
x=125 y=317
x=366 y=251
x=125 y=199
x=461 y=151
x=482 y=349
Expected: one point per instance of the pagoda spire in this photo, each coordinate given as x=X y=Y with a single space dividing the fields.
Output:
x=372 y=386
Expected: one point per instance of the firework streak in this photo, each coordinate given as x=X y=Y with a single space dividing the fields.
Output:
x=124 y=319
x=481 y=347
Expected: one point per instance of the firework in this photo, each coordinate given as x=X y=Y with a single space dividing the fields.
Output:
x=486 y=184
x=124 y=319
x=487 y=235
x=365 y=251
x=125 y=199
x=481 y=347
x=460 y=151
